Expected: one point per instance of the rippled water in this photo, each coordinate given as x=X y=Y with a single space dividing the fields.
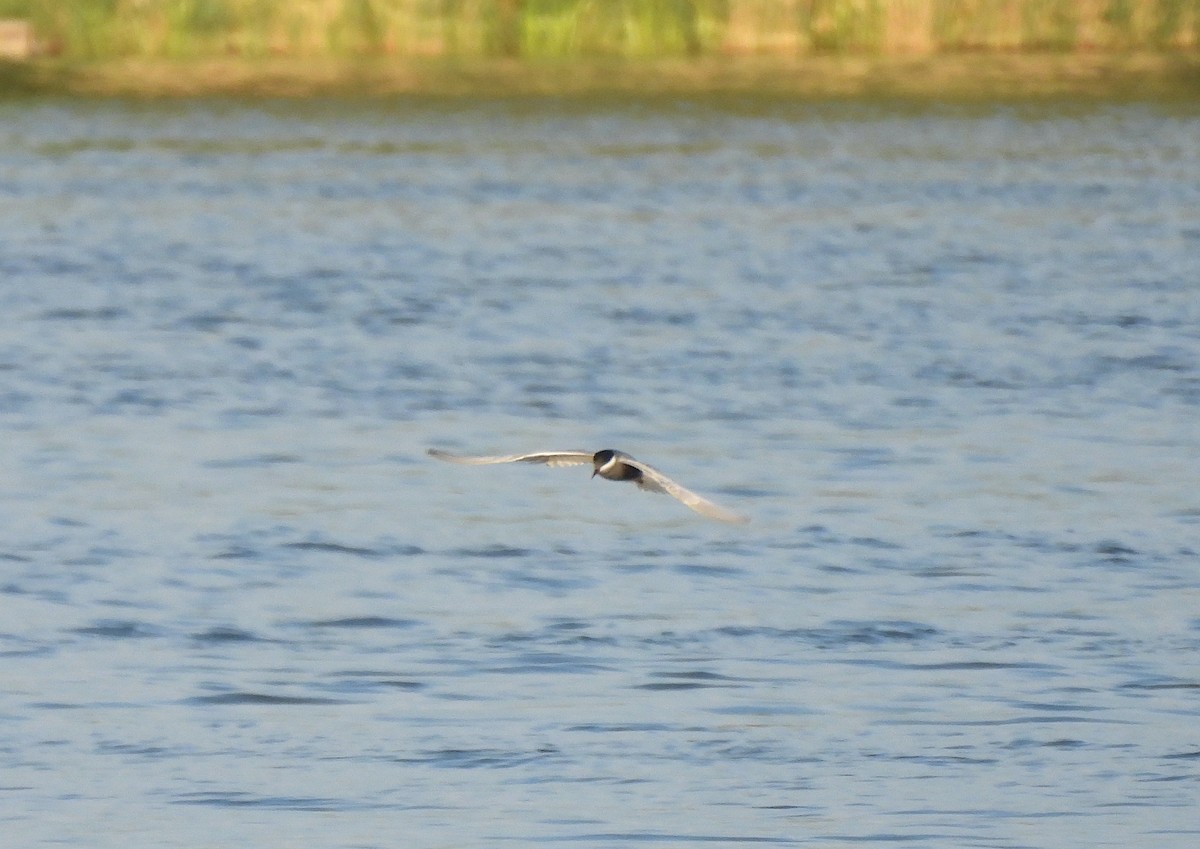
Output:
x=948 y=359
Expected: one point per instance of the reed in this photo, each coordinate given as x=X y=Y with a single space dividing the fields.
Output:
x=566 y=29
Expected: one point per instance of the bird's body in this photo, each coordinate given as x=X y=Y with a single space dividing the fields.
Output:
x=610 y=465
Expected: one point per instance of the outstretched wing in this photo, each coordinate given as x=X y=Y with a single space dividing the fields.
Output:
x=546 y=458
x=655 y=481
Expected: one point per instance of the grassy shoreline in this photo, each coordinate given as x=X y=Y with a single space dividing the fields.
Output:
x=573 y=29
x=942 y=76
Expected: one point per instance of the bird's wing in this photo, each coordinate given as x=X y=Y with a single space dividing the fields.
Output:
x=655 y=481
x=547 y=458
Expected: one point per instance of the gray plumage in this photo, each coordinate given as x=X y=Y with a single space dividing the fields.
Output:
x=611 y=465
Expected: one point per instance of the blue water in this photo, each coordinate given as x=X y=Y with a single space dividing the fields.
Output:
x=948 y=359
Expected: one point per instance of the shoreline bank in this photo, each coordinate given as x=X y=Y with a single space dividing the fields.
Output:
x=939 y=76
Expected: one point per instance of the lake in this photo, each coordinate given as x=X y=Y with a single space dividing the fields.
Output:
x=946 y=357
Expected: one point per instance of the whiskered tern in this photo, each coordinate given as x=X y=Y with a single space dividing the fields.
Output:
x=609 y=464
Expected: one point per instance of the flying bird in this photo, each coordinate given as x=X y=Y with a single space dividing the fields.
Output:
x=609 y=464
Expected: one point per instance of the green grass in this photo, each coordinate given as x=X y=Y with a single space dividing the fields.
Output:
x=626 y=29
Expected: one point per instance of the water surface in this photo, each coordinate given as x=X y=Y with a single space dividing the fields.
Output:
x=948 y=360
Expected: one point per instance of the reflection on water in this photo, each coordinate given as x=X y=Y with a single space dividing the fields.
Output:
x=947 y=359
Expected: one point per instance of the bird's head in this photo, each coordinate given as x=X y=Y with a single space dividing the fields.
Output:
x=601 y=459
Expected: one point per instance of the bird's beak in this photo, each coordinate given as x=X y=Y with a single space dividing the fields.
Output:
x=594 y=471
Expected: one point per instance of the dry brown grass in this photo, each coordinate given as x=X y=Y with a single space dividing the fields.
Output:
x=953 y=76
